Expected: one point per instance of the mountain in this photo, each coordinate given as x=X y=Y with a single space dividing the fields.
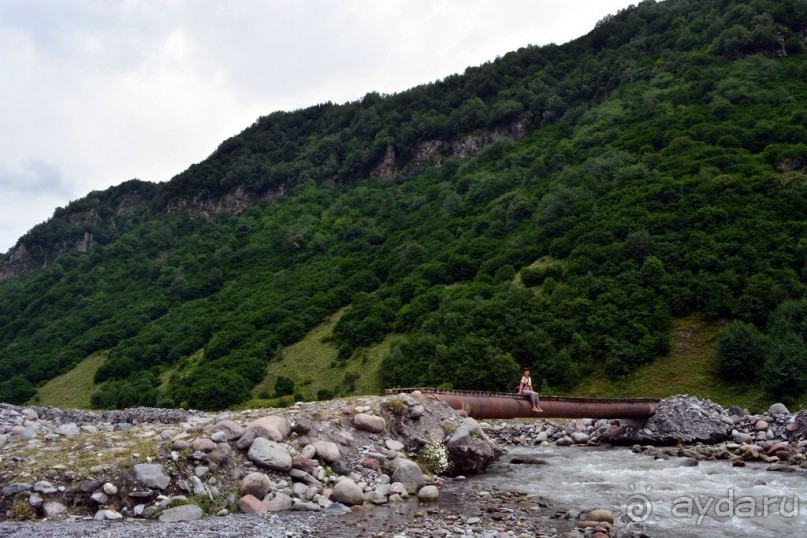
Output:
x=560 y=207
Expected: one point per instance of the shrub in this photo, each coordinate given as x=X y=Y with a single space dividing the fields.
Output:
x=284 y=386
x=433 y=457
x=785 y=373
x=740 y=352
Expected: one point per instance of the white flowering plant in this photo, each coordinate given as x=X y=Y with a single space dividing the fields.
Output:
x=433 y=457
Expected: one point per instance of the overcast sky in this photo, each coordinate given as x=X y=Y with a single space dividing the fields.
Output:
x=95 y=92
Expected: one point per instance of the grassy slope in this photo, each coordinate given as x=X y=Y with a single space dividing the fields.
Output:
x=313 y=363
x=72 y=389
x=689 y=369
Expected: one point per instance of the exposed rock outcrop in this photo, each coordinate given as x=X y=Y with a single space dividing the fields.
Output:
x=678 y=419
x=435 y=151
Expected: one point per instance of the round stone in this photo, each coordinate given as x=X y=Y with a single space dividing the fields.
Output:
x=428 y=494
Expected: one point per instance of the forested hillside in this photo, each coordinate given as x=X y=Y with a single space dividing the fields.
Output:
x=556 y=208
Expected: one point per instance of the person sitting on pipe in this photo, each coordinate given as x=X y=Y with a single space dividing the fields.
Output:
x=525 y=389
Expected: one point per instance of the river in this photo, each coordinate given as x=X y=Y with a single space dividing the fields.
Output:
x=662 y=497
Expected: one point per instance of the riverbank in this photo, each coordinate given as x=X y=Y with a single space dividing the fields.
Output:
x=350 y=467
x=356 y=467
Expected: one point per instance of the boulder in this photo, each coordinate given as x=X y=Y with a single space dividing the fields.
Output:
x=304 y=464
x=88 y=486
x=327 y=451
x=152 y=475
x=108 y=515
x=601 y=515
x=336 y=509
x=17 y=487
x=278 y=503
x=736 y=411
x=761 y=426
x=232 y=430
x=348 y=493
x=45 y=487
x=741 y=437
x=301 y=426
x=99 y=497
x=392 y=444
x=308 y=452
x=778 y=409
x=408 y=473
x=186 y=512
x=272 y=427
x=245 y=441
x=297 y=475
x=580 y=438
x=782 y=468
x=796 y=428
x=219 y=437
x=416 y=411
x=428 y=494
x=249 y=504
x=679 y=419
x=299 y=490
x=53 y=509
x=468 y=453
x=369 y=423
x=203 y=445
x=371 y=463
x=256 y=484
x=340 y=467
x=70 y=429
x=269 y=454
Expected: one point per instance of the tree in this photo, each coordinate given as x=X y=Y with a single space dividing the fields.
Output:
x=16 y=390
x=283 y=386
x=740 y=352
x=785 y=373
x=218 y=391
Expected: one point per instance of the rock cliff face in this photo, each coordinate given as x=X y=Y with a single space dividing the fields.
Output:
x=234 y=202
x=77 y=227
x=19 y=263
x=435 y=151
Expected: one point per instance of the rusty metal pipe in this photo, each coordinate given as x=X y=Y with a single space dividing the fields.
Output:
x=485 y=405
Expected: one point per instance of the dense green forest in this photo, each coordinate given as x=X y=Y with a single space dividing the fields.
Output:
x=648 y=170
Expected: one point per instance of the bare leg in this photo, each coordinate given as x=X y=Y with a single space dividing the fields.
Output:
x=534 y=401
x=535 y=405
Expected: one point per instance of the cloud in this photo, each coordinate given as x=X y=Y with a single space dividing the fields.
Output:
x=100 y=91
x=33 y=176
x=22 y=210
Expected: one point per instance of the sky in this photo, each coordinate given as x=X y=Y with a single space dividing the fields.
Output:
x=96 y=92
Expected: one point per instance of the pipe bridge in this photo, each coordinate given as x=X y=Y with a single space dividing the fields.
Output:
x=489 y=405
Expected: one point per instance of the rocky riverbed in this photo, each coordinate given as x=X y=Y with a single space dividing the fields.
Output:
x=682 y=426
x=357 y=467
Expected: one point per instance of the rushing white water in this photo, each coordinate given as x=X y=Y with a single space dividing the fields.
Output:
x=663 y=497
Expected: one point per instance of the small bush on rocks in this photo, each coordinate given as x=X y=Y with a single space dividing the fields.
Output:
x=21 y=509
x=396 y=406
x=433 y=457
